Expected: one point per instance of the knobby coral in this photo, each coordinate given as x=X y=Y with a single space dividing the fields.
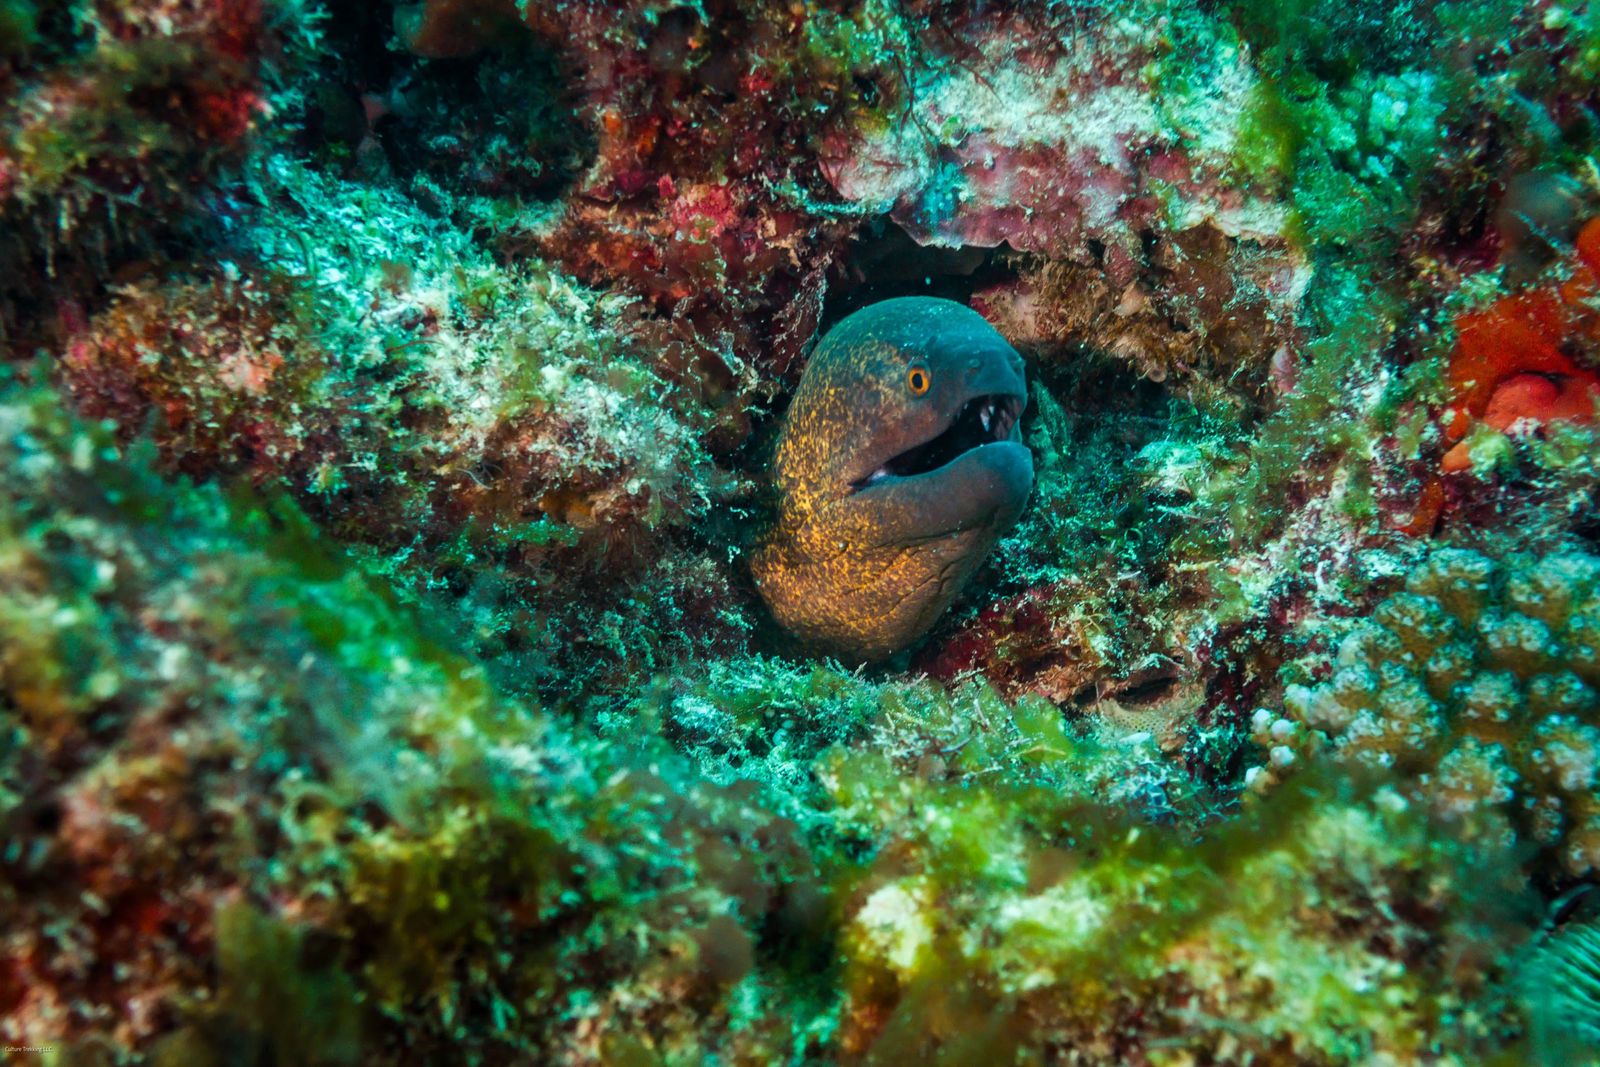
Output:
x=1477 y=683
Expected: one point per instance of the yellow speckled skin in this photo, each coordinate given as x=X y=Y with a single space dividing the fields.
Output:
x=861 y=573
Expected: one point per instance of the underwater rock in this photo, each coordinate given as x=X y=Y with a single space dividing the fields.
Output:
x=1053 y=131
x=223 y=373
x=701 y=194
x=478 y=425
x=1203 y=310
x=900 y=463
x=228 y=740
x=118 y=120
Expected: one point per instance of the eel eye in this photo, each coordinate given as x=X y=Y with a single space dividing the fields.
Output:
x=918 y=380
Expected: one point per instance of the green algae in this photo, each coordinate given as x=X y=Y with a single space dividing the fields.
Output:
x=1042 y=903
x=276 y=1004
x=18 y=27
x=480 y=898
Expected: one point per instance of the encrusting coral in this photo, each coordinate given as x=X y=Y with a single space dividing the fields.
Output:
x=1511 y=369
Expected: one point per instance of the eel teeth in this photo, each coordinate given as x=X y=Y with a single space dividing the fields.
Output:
x=985 y=414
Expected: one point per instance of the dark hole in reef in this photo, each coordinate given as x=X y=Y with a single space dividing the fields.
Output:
x=1111 y=412
x=58 y=33
x=671 y=36
x=685 y=49
x=501 y=122
x=1096 y=390
x=45 y=818
x=1588 y=528
x=885 y=262
x=1148 y=691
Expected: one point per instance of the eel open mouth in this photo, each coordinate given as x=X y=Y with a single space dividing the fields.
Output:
x=983 y=420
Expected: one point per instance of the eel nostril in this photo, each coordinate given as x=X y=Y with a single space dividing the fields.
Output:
x=974 y=364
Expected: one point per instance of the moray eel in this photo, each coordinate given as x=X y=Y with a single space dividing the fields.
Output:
x=898 y=466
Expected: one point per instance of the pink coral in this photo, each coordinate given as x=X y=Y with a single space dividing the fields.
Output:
x=1046 y=146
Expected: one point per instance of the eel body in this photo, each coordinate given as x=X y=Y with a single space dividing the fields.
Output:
x=898 y=466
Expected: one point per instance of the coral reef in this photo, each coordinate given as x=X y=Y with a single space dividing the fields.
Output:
x=167 y=800
x=480 y=425
x=386 y=853
x=389 y=847
x=120 y=120
x=388 y=403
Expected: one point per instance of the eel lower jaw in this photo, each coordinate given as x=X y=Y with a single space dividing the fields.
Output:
x=983 y=420
x=984 y=489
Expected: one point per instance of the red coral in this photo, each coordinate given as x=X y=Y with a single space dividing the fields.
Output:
x=224 y=116
x=1428 y=506
x=1511 y=367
